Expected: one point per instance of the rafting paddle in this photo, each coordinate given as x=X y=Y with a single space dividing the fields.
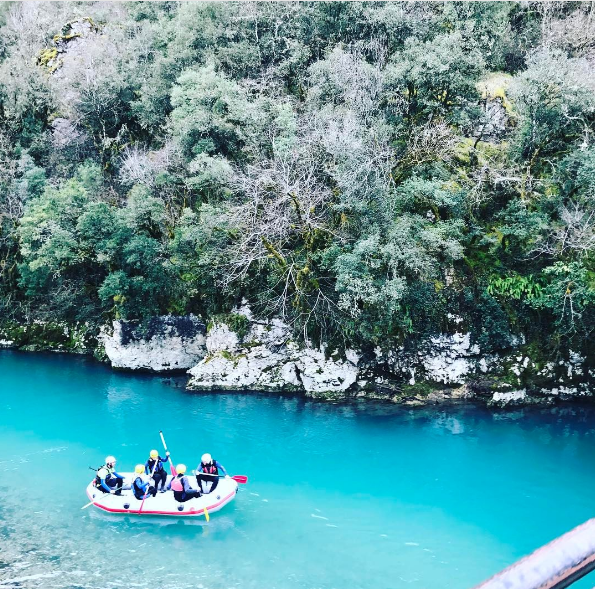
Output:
x=240 y=478
x=89 y=504
x=172 y=468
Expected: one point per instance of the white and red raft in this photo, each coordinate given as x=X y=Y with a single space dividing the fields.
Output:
x=163 y=503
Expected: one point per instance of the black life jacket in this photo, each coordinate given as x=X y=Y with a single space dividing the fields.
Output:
x=151 y=463
x=210 y=468
x=138 y=492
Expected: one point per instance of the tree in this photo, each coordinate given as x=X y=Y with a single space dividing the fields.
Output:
x=281 y=222
x=556 y=105
x=211 y=114
x=436 y=77
x=329 y=162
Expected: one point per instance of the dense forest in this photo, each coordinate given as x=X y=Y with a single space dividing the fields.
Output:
x=371 y=172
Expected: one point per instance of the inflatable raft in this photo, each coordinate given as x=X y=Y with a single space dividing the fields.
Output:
x=163 y=503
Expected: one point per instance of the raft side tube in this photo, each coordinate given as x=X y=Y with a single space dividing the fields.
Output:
x=163 y=503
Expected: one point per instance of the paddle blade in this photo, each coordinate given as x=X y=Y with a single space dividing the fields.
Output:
x=240 y=478
x=207 y=516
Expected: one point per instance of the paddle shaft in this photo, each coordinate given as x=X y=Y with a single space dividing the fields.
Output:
x=171 y=462
x=238 y=478
x=91 y=503
x=149 y=485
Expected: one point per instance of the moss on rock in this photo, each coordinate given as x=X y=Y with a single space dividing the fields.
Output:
x=79 y=338
x=236 y=322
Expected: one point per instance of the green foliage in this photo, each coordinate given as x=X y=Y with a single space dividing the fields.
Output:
x=569 y=297
x=237 y=322
x=576 y=176
x=438 y=76
x=211 y=113
x=65 y=231
x=365 y=170
x=555 y=102
x=517 y=287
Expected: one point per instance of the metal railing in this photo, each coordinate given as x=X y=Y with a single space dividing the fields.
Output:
x=553 y=566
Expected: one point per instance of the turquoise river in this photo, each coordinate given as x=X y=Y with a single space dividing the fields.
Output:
x=339 y=497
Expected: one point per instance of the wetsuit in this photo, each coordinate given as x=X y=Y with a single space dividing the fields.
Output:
x=159 y=476
x=142 y=488
x=209 y=473
x=182 y=489
x=107 y=479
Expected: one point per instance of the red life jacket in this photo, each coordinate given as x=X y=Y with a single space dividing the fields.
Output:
x=177 y=484
x=210 y=468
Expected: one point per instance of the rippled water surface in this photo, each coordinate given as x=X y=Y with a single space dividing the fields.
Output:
x=340 y=497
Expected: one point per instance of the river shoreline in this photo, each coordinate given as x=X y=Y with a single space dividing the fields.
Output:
x=438 y=397
x=239 y=352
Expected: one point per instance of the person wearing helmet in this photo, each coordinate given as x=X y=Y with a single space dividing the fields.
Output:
x=159 y=474
x=141 y=486
x=207 y=473
x=180 y=485
x=107 y=479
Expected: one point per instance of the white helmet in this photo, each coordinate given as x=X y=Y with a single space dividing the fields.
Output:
x=110 y=459
x=206 y=459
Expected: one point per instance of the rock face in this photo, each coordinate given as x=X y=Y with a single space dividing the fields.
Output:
x=163 y=344
x=445 y=359
x=266 y=358
x=240 y=352
x=446 y=367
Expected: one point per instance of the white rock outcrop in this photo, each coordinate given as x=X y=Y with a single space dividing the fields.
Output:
x=241 y=352
x=266 y=358
x=509 y=398
x=446 y=359
x=449 y=360
x=164 y=344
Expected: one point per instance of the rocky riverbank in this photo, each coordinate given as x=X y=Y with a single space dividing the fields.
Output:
x=240 y=352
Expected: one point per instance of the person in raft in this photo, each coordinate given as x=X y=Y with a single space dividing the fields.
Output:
x=181 y=486
x=159 y=476
x=141 y=485
x=208 y=472
x=107 y=479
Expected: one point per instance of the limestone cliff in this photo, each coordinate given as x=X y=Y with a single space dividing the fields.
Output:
x=240 y=352
x=163 y=344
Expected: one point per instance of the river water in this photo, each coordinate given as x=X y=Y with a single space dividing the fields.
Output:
x=339 y=496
